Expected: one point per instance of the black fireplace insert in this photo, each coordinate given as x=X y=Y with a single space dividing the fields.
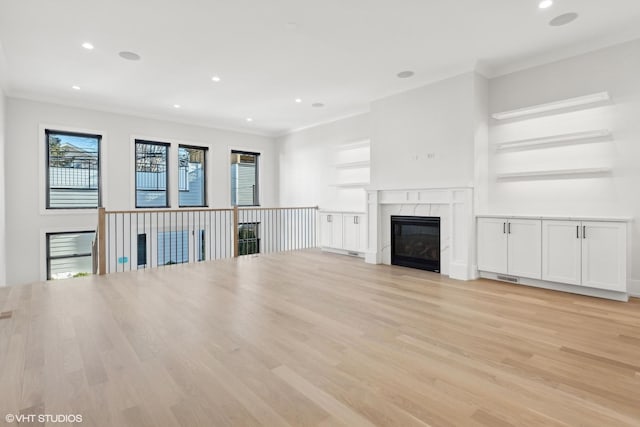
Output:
x=415 y=242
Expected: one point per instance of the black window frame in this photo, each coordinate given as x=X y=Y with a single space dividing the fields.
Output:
x=204 y=179
x=256 y=192
x=167 y=146
x=47 y=133
x=48 y=248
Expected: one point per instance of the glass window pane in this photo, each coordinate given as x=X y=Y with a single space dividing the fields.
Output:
x=69 y=254
x=151 y=175
x=73 y=175
x=173 y=247
x=244 y=178
x=191 y=176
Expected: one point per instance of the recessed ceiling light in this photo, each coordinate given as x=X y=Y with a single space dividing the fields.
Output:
x=317 y=105
x=563 y=19
x=215 y=79
x=75 y=87
x=544 y=4
x=130 y=56
x=249 y=119
x=298 y=100
x=87 y=46
x=405 y=74
x=176 y=105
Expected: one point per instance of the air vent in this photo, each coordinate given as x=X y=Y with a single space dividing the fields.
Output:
x=6 y=315
x=507 y=278
x=353 y=253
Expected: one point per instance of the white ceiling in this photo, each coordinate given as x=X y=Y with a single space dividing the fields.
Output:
x=343 y=53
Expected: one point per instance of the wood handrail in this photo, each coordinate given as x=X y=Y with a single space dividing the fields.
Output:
x=143 y=211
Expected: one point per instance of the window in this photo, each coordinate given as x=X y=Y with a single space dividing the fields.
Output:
x=151 y=174
x=244 y=178
x=69 y=254
x=192 y=176
x=173 y=247
x=73 y=170
x=142 y=250
x=248 y=241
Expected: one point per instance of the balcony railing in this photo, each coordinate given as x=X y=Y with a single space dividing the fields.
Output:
x=132 y=240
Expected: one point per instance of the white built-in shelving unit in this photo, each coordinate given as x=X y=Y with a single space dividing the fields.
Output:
x=552 y=141
x=352 y=165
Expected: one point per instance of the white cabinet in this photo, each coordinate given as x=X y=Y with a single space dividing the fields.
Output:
x=354 y=232
x=510 y=246
x=562 y=251
x=346 y=231
x=590 y=254
x=604 y=251
x=330 y=230
x=524 y=248
x=586 y=253
x=492 y=245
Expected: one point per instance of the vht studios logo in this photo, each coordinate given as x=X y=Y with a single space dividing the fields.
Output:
x=43 y=418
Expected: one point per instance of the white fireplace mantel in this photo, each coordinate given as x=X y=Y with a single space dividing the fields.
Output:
x=454 y=206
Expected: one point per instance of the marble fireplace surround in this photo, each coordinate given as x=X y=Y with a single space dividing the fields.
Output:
x=454 y=207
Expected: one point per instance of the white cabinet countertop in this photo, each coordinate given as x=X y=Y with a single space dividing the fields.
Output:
x=561 y=218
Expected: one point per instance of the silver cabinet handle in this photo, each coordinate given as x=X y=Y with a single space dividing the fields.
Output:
x=509 y=228
x=577 y=231
x=504 y=228
x=584 y=231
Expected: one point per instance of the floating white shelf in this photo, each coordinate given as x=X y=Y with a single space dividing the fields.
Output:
x=354 y=145
x=568 y=138
x=553 y=106
x=351 y=185
x=353 y=165
x=553 y=173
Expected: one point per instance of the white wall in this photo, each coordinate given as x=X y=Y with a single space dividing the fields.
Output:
x=3 y=266
x=424 y=138
x=615 y=70
x=306 y=163
x=26 y=219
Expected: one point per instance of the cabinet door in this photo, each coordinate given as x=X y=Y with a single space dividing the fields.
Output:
x=525 y=248
x=326 y=230
x=492 y=245
x=562 y=251
x=604 y=254
x=336 y=231
x=350 y=232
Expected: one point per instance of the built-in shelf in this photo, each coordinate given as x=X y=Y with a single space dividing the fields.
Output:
x=560 y=173
x=554 y=106
x=351 y=185
x=354 y=145
x=353 y=165
x=568 y=138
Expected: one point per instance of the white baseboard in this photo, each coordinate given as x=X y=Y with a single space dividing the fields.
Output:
x=580 y=290
x=372 y=258
x=344 y=252
x=459 y=271
x=634 y=288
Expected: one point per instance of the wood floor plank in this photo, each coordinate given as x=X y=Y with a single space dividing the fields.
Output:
x=311 y=338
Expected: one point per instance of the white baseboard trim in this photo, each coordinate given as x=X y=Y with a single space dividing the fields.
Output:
x=459 y=271
x=634 y=288
x=580 y=290
x=344 y=252
x=372 y=258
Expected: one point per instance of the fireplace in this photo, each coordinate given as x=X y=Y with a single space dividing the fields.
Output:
x=415 y=242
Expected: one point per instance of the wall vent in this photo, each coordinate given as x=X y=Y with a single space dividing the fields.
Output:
x=507 y=278
x=6 y=315
x=353 y=253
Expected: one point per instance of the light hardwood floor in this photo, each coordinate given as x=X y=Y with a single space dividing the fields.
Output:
x=308 y=338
